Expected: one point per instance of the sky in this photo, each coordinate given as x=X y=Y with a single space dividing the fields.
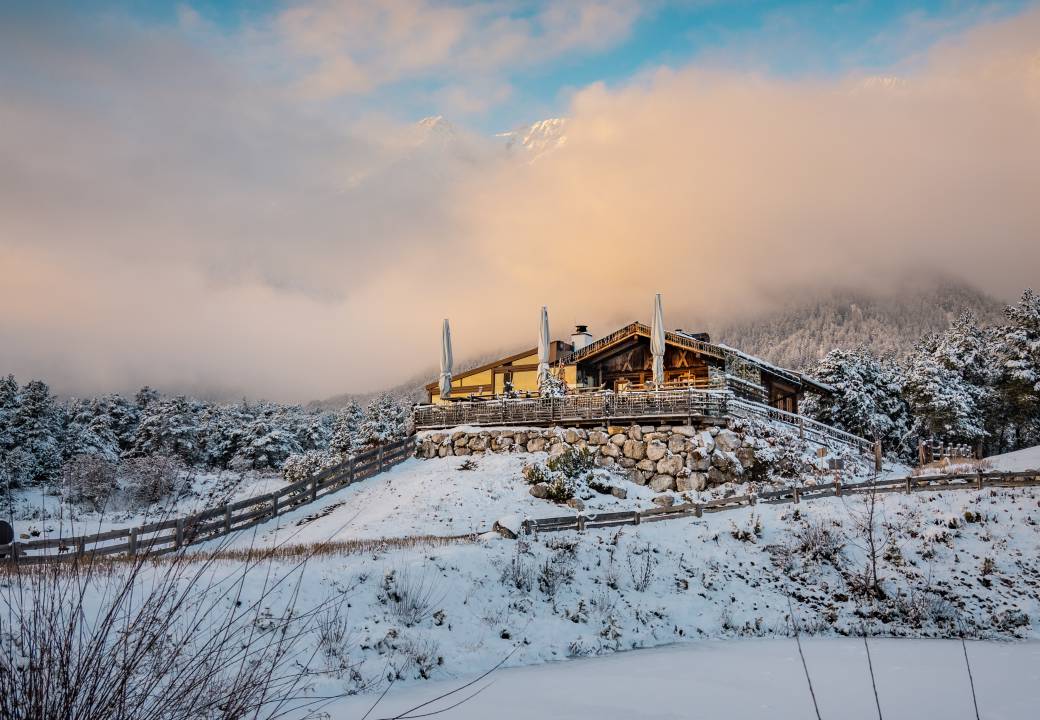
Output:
x=239 y=198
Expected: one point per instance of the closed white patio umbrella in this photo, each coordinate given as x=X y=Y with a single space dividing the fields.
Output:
x=543 y=347
x=446 y=360
x=657 y=342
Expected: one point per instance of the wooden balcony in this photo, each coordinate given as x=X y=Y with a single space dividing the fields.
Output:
x=686 y=406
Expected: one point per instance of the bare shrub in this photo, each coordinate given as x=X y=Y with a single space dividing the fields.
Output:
x=818 y=542
x=412 y=596
x=420 y=654
x=143 y=640
x=518 y=573
x=642 y=570
x=150 y=478
x=89 y=479
x=554 y=573
x=749 y=533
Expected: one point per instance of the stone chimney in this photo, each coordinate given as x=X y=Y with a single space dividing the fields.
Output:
x=580 y=337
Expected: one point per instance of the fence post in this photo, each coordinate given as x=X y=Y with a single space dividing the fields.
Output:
x=274 y=504
x=81 y=548
x=379 y=454
x=909 y=485
x=837 y=486
x=698 y=510
x=978 y=480
x=920 y=453
x=581 y=523
x=227 y=519
x=179 y=538
x=314 y=488
x=350 y=471
x=801 y=428
x=133 y=542
x=14 y=552
x=877 y=455
x=797 y=495
x=637 y=517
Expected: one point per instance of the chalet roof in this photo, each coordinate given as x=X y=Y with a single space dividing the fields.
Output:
x=692 y=342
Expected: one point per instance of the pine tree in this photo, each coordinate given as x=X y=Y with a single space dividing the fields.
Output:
x=345 y=428
x=386 y=420
x=169 y=426
x=10 y=401
x=38 y=426
x=265 y=442
x=1019 y=372
x=91 y=430
x=943 y=403
x=868 y=398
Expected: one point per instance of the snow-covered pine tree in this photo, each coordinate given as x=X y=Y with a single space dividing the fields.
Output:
x=90 y=430
x=10 y=400
x=345 y=428
x=1019 y=378
x=868 y=399
x=942 y=403
x=38 y=432
x=386 y=420
x=169 y=426
x=266 y=442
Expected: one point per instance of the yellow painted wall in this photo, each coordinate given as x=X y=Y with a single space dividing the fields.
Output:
x=523 y=380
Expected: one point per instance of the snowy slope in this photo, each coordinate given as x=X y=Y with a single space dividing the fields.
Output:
x=1026 y=459
x=749 y=680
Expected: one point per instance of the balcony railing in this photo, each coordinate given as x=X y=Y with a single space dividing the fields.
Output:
x=601 y=406
x=608 y=407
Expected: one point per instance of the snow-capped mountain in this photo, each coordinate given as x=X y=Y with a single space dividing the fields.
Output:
x=538 y=138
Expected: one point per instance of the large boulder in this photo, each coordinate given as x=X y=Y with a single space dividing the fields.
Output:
x=676 y=444
x=662 y=483
x=610 y=450
x=618 y=439
x=727 y=440
x=637 y=476
x=723 y=461
x=635 y=449
x=655 y=450
x=573 y=435
x=707 y=440
x=716 y=476
x=603 y=461
x=540 y=490
x=694 y=482
x=557 y=449
x=670 y=465
x=598 y=437
x=699 y=459
x=536 y=444
x=684 y=430
x=635 y=432
x=664 y=500
x=647 y=465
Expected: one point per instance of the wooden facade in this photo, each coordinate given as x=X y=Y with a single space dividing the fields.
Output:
x=622 y=361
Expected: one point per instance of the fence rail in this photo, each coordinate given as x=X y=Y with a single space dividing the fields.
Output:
x=172 y=534
x=909 y=484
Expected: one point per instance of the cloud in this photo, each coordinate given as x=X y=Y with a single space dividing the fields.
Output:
x=359 y=45
x=167 y=216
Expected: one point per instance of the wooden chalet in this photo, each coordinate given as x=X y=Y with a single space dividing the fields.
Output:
x=622 y=362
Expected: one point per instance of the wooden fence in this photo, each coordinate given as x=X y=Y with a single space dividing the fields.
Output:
x=967 y=481
x=174 y=533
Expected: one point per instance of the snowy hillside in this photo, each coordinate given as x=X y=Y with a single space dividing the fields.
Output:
x=801 y=333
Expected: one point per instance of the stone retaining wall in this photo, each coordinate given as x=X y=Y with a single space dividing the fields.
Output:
x=667 y=457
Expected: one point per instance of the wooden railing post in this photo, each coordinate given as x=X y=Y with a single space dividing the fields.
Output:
x=837 y=486
x=227 y=519
x=978 y=480
x=179 y=537
x=81 y=547
x=132 y=550
x=909 y=485
x=797 y=495
x=314 y=488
